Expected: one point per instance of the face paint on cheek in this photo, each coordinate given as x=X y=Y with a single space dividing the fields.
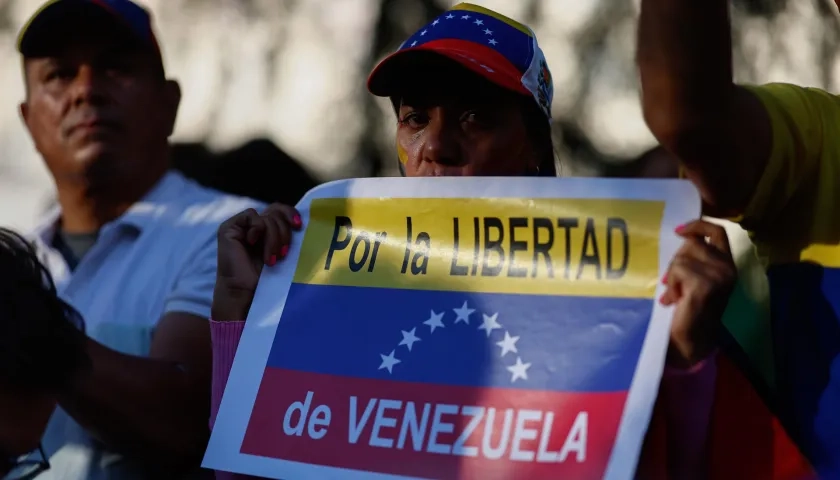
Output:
x=401 y=153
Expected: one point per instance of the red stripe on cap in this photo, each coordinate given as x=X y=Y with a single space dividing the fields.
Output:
x=483 y=60
x=104 y=5
x=480 y=59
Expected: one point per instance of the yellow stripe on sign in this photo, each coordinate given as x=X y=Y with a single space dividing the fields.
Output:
x=576 y=247
x=469 y=7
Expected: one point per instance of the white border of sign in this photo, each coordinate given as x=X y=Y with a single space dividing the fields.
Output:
x=682 y=204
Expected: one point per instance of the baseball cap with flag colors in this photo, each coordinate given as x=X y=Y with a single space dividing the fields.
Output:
x=489 y=44
x=61 y=15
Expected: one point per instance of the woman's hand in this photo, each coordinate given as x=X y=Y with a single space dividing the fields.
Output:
x=700 y=280
x=248 y=241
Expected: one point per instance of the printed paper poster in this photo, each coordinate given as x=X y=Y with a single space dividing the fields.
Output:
x=422 y=328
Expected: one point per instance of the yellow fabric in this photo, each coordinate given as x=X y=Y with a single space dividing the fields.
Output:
x=793 y=213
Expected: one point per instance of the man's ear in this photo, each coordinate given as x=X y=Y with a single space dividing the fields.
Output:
x=24 y=113
x=172 y=101
x=25 y=116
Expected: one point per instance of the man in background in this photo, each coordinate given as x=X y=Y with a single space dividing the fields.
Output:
x=132 y=246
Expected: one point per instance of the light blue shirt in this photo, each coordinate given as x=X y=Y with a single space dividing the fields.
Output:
x=158 y=257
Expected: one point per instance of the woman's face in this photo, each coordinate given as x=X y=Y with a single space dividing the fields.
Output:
x=458 y=124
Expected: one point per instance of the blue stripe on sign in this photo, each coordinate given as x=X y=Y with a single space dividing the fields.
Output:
x=569 y=344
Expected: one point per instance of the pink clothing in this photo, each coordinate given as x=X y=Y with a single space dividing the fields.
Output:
x=689 y=395
x=225 y=337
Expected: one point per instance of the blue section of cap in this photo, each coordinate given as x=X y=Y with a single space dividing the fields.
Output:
x=481 y=29
x=127 y=13
x=134 y=15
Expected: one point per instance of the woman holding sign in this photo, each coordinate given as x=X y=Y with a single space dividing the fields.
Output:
x=472 y=93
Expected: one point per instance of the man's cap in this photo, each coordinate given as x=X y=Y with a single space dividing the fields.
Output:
x=496 y=47
x=127 y=17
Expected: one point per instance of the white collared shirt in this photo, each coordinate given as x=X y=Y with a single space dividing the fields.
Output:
x=158 y=257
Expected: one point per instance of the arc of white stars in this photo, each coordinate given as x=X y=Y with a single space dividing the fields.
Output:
x=388 y=361
x=435 y=321
x=508 y=345
x=490 y=323
x=519 y=370
x=409 y=338
x=463 y=313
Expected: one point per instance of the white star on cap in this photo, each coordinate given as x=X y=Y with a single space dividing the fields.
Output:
x=463 y=314
x=435 y=22
x=519 y=370
x=508 y=344
x=450 y=17
x=492 y=41
x=490 y=324
x=409 y=338
x=487 y=31
x=388 y=362
x=479 y=22
x=434 y=321
x=414 y=43
x=423 y=33
x=465 y=17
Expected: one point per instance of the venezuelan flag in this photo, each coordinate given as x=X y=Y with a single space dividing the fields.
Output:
x=460 y=338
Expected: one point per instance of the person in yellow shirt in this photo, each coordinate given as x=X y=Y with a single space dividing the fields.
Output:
x=769 y=157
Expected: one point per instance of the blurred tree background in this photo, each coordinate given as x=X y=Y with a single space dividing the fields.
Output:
x=284 y=80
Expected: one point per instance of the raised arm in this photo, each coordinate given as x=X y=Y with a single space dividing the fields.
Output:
x=720 y=132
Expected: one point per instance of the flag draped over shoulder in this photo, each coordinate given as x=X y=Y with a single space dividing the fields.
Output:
x=745 y=440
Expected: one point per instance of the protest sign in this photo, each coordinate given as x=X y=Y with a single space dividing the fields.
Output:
x=457 y=328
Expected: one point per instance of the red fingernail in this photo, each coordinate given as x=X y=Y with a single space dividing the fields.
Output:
x=680 y=228
x=297 y=221
x=272 y=260
x=665 y=279
x=284 y=251
x=662 y=300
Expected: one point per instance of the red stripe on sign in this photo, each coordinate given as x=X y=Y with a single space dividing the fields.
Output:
x=432 y=431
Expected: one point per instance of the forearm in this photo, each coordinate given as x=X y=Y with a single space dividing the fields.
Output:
x=689 y=396
x=225 y=337
x=685 y=61
x=151 y=409
x=719 y=132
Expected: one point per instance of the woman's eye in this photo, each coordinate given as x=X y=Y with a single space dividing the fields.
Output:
x=477 y=117
x=117 y=66
x=414 y=120
x=59 y=73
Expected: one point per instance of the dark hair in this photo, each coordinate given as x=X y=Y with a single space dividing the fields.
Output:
x=539 y=131
x=42 y=340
